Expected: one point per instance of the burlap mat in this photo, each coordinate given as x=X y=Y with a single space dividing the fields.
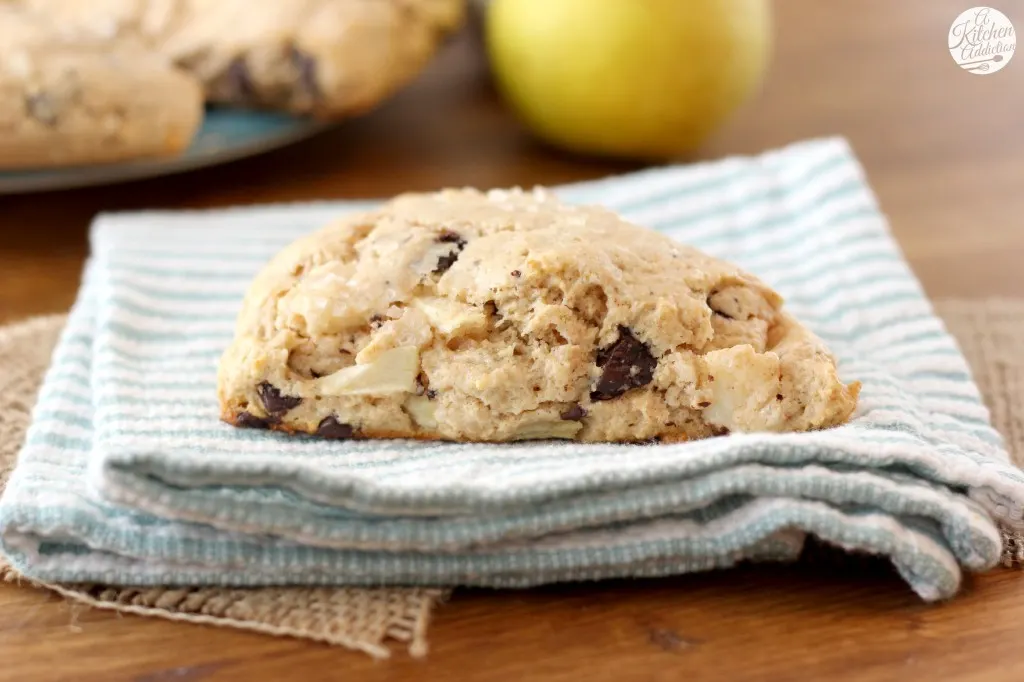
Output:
x=991 y=334
x=357 y=618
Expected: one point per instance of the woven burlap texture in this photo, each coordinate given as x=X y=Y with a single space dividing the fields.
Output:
x=357 y=618
x=991 y=334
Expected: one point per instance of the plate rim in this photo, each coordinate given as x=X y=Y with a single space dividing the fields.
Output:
x=108 y=174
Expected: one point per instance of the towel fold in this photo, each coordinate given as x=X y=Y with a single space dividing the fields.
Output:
x=128 y=477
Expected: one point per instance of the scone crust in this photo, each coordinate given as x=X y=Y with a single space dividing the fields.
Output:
x=510 y=316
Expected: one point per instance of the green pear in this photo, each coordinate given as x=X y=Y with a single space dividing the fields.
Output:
x=634 y=78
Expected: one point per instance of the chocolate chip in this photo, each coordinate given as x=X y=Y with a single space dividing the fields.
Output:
x=42 y=108
x=516 y=273
x=704 y=404
x=306 y=66
x=450 y=237
x=448 y=260
x=422 y=384
x=275 y=403
x=250 y=421
x=431 y=394
x=330 y=427
x=238 y=83
x=778 y=396
x=574 y=413
x=627 y=364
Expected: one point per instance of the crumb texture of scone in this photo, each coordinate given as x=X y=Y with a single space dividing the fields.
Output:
x=508 y=315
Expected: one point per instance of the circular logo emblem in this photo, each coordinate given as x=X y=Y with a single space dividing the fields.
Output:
x=982 y=40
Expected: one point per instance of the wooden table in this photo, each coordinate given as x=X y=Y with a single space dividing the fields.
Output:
x=945 y=152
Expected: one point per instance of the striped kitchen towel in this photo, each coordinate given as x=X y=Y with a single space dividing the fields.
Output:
x=128 y=477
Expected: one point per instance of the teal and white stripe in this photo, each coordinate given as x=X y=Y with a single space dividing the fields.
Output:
x=128 y=477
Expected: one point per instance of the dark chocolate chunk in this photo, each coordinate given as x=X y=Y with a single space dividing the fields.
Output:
x=238 y=85
x=250 y=421
x=306 y=67
x=431 y=394
x=275 y=403
x=445 y=262
x=422 y=384
x=627 y=364
x=330 y=427
x=448 y=260
x=516 y=273
x=704 y=403
x=574 y=413
x=778 y=396
x=450 y=237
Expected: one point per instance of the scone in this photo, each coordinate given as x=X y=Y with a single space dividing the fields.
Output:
x=325 y=57
x=510 y=316
x=65 y=103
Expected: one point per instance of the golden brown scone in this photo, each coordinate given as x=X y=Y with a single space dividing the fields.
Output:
x=65 y=102
x=510 y=316
x=326 y=57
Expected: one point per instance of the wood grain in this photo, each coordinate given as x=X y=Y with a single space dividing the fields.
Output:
x=944 y=150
